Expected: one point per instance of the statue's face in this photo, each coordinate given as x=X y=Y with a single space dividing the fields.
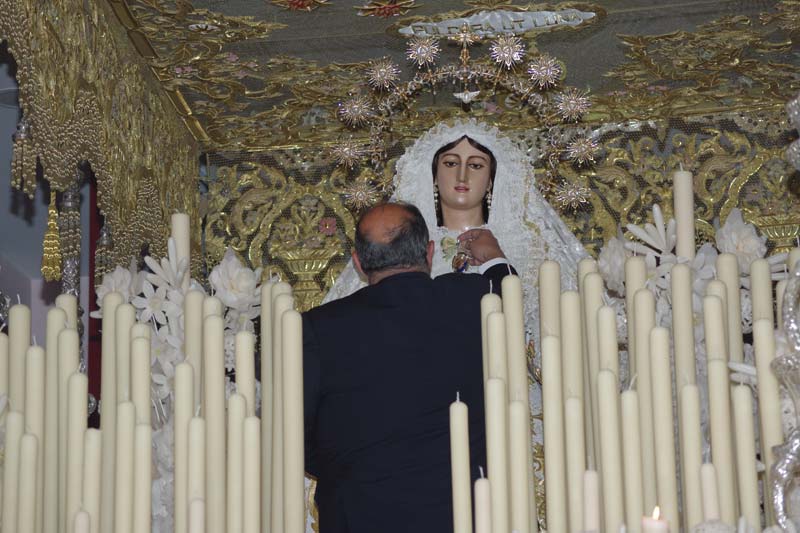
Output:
x=463 y=175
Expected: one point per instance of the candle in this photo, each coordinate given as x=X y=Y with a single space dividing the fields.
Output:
x=92 y=450
x=610 y=449
x=193 y=303
x=714 y=325
x=77 y=415
x=293 y=441
x=4 y=364
x=576 y=460
x=708 y=480
x=717 y=288
x=123 y=495
x=125 y=318
x=791 y=261
x=266 y=407
x=56 y=320
x=141 y=330
x=68 y=343
x=214 y=402
x=212 y=306
x=635 y=278
x=769 y=403
x=237 y=407
x=196 y=478
x=728 y=273
x=592 y=293
x=761 y=290
x=490 y=303
x=69 y=304
x=661 y=378
x=140 y=379
x=654 y=524
x=281 y=302
x=519 y=444
x=780 y=291
x=251 y=522
x=197 y=516
x=142 y=479
x=108 y=409
x=554 y=450
x=460 y=468
x=591 y=501
x=19 y=334
x=483 y=506
x=683 y=207
x=586 y=266
x=34 y=420
x=683 y=325
x=607 y=339
x=27 y=484
x=11 y=471
x=82 y=522
x=632 y=454
x=645 y=321
x=719 y=399
x=497 y=451
x=691 y=455
x=246 y=370
x=571 y=345
x=549 y=296
x=184 y=409
x=498 y=355
x=180 y=234
x=746 y=456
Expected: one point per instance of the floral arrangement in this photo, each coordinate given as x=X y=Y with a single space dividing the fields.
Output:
x=157 y=295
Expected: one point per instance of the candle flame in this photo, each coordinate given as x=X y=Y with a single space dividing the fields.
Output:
x=656 y=513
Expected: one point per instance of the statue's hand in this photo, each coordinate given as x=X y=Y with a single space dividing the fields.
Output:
x=481 y=245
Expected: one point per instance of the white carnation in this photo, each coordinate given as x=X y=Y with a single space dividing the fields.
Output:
x=235 y=284
x=611 y=263
x=739 y=238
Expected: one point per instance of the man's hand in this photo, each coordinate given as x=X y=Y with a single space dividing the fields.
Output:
x=481 y=246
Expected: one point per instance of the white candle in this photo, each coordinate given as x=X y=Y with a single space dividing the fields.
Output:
x=293 y=440
x=592 y=293
x=123 y=495
x=77 y=415
x=571 y=345
x=11 y=471
x=683 y=325
x=728 y=273
x=610 y=450
x=251 y=503
x=549 y=296
x=83 y=522
x=27 y=484
x=483 y=506
x=554 y=450
x=691 y=455
x=714 y=326
x=108 y=409
x=794 y=256
x=193 y=303
x=4 y=364
x=717 y=288
x=683 y=207
x=607 y=339
x=214 y=401
x=719 y=396
x=197 y=516
x=237 y=407
x=661 y=378
x=143 y=478
x=92 y=450
x=645 y=321
x=142 y=330
x=140 y=379
x=68 y=343
x=761 y=290
x=585 y=266
x=69 y=304
x=246 y=369
x=497 y=451
x=591 y=501
x=125 y=318
x=212 y=306
x=708 y=479
x=519 y=444
x=632 y=459
x=490 y=303
x=576 y=460
x=746 y=456
x=460 y=468
x=196 y=477
x=635 y=278
x=34 y=419
x=19 y=335
x=780 y=291
x=56 y=320
x=266 y=404
x=281 y=302
x=184 y=409
x=498 y=355
x=654 y=524
x=180 y=232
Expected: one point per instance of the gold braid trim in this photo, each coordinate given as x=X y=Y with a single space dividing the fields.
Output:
x=51 y=254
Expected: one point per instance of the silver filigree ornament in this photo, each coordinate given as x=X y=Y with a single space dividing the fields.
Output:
x=507 y=50
x=423 y=51
x=383 y=75
x=571 y=196
x=356 y=111
x=572 y=104
x=347 y=153
x=360 y=195
x=582 y=150
x=545 y=72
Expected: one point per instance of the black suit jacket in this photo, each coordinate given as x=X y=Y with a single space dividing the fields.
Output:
x=381 y=369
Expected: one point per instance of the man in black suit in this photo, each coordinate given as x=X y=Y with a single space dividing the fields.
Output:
x=381 y=369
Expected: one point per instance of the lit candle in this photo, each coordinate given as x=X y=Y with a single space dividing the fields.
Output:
x=761 y=290
x=11 y=471
x=746 y=456
x=92 y=450
x=708 y=480
x=140 y=379
x=549 y=296
x=490 y=303
x=281 y=302
x=683 y=325
x=460 y=468
x=607 y=339
x=143 y=478
x=576 y=460
x=214 y=402
x=728 y=273
x=180 y=232
x=34 y=419
x=610 y=449
x=267 y=395
x=125 y=318
x=184 y=409
x=654 y=524
x=196 y=461
x=77 y=415
x=719 y=399
x=19 y=335
x=293 y=441
x=27 y=484
x=108 y=409
x=497 y=451
x=691 y=455
x=645 y=321
x=197 y=516
x=592 y=293
x=554 y=450
x=123 y=495
x=193 y=303
x=69 y=304
x=56 y=320
x=591 y=501
x=483 y=505
x=245 y=369
x=68 y=343
x=251 y=503
x=683 y=207
x=632 y=454
x=237 y=407
x=635 y=277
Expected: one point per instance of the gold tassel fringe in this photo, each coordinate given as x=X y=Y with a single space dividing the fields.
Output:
x=51 y=253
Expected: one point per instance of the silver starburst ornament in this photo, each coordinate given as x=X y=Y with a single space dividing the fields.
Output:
x=347 y=153
x=572 y=104
x=571 y=196
x=545 y=72
x=361 y=194
x=383 y=75
x=423 y=51
x=582 y=150
x=507 y=50
x=355 y=112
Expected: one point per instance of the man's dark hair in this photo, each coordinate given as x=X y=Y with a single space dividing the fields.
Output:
x=407 y=247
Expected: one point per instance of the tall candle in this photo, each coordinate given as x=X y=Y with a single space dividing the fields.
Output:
x=180 y=232
x=719 y=396
x=197 y=516
x=683 y=326
x=293 y=441
x=717 y=288
x=83 y=522
x=761 y=290
x=683 y=207
x=592 y=302
x=92 y=450
x=27 y=483
x=68 y=343
x=266 y=405
x=123 y=495
x=246 y=370
x=4 y=364
x=214 y=401
x=645 y=321
x=661 y=378
x=483 y=506
x=125 y=318
x=77 y=416
x=654 y=524
x=780 y=291
x=140 y=379
x=281 y=303
x=519 y=444
x=196 y=477
x=708 y=480
x=728 y=273
x=607 y=339
x=497 y=451
x=576 y=460
x=108 y=409
x=19 y=335
x=591 y=501
x=11 y=471
x=549 y=296
x=490 y=303
x=142 y=330
x=184 y=409
x=69 y=304
x=498 y=354
x=746 y=456
x=635 y=278
x=632 y=454
x=143 y=478
x=571 y=345
x=237 y=407
x=460 y=468
x=791 y=261
x=56 y=320
x=610 y=449
x=714 y=326
x=212 y=306
x=585 y=266
x=251 y=522
x=554 y=449
x=193 y=346
x=34 y=420
x=691 y=455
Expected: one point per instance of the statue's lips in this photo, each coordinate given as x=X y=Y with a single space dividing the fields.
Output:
x=461 y=188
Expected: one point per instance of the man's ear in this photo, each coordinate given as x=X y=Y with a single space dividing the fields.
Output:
x=357 y=263
x=429 y=254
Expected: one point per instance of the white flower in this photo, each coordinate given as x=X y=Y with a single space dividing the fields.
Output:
x=737 y=237
x=154 y=304
x=119 y=280
x=611 y=263
x=658 y=236
x=169 y=273
x=236 y=285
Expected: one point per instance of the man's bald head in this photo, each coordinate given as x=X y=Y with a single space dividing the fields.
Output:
x=392 y=237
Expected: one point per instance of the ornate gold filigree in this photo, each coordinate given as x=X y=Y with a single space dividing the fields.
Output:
x=387 y=8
